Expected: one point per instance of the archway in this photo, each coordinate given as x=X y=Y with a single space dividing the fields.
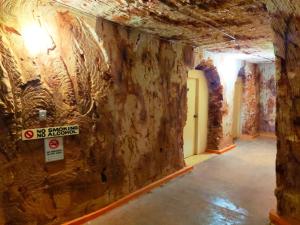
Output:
x=215 y=104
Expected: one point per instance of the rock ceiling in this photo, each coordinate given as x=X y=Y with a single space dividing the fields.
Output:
x=236 y=24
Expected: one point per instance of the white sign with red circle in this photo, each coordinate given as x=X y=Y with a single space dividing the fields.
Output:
x=54 y=149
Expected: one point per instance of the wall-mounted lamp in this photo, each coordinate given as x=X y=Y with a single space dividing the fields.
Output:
x=42 y=114
x=36 y=39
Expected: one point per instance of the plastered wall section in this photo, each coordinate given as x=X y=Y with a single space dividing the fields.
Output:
x=125 y=89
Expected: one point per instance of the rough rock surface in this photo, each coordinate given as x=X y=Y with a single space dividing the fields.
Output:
x=259 y=98
x=200 y=22
x=125 y=89
x=251 y=99
x=267 y=105
x=94 y=83
x=286 y=25
x=215 y=105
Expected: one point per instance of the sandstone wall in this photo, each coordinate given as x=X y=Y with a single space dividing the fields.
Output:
x=251 y=99
x=286 y=26
x=124 y=88
x=267 y=102
x=215 y=134
x=227 y=68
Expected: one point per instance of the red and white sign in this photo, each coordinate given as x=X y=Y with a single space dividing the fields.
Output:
x=53 y=143
x=54 y=149
x=28 y=134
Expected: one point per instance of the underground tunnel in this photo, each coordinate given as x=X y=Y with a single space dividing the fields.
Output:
x=149 y=112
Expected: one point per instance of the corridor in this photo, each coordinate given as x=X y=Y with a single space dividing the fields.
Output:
x=231 y=189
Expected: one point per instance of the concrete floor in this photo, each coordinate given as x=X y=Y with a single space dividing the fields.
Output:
x=231 y=189
x=196 y=159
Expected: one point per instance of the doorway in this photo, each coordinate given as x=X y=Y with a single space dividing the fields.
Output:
x=237 y=108
x=195 y=130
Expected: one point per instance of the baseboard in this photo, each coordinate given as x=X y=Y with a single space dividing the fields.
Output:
x=268 y=135
x=248 y=137
x=124 y=200
x=221 y=151
x=278 y=220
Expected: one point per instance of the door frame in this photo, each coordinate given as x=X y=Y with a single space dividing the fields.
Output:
x=199 y=75
x=237 y=108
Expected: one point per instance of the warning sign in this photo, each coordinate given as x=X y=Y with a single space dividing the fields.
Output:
x=40 y=133
x=54 y=143
x=54 y=149
x=28 y=134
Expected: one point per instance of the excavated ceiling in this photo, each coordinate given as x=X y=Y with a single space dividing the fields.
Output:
x=239 y=25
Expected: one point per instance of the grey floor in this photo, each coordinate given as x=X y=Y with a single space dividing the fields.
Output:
x=231 y=189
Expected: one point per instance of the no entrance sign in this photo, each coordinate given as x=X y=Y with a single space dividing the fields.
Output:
x=54 y=149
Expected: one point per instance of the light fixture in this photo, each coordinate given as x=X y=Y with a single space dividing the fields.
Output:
x=36 y=39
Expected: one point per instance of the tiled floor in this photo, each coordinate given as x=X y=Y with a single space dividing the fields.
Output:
x=231 y=189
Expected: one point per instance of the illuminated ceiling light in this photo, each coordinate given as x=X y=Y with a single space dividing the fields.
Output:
x=36 y=39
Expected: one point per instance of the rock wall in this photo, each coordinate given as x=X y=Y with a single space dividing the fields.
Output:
x=286 y=26
x=215 y=105
x=227 y=68
x=251 y=99
x=259 y=105
x=125 y=89
x=267 y=108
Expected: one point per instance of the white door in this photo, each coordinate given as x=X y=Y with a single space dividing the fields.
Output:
x=189 y=133
x=201 y=140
